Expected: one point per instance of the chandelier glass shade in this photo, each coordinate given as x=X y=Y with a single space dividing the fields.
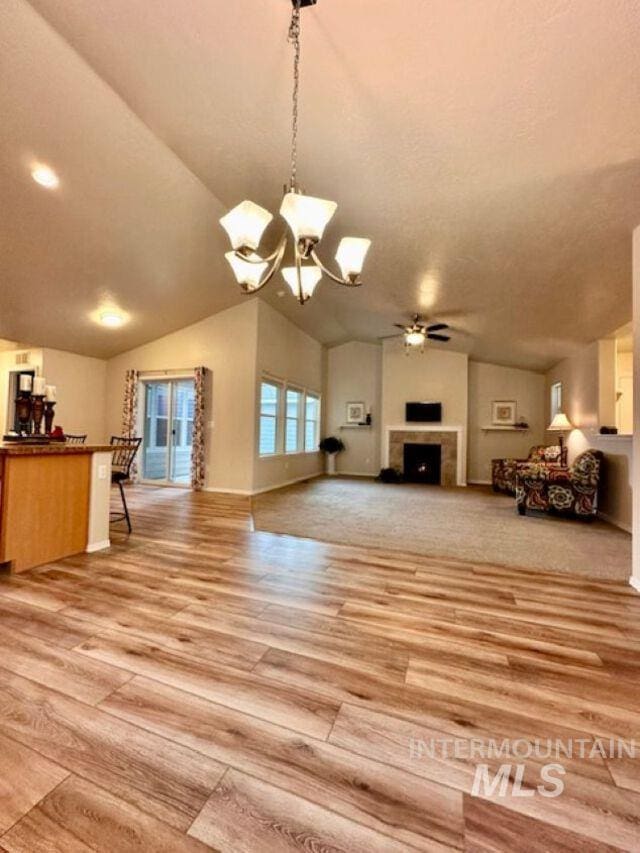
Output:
x=247 y=271
x=245 y=225
x=306 y=278
x=307 y=218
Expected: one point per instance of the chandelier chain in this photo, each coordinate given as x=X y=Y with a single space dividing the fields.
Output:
x=294 y=38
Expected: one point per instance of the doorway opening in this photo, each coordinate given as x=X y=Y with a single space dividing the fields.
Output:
x=168 y=431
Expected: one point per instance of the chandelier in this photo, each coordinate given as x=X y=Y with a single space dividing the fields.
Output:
x=306 y=216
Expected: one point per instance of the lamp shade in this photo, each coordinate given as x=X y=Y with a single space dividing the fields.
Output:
x=309 y=278
x=246 y=273
x=560 y=423
x=307 y=216
x=351 y=254
x=245 y=225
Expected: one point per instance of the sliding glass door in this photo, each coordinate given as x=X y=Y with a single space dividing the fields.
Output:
x=168 y=431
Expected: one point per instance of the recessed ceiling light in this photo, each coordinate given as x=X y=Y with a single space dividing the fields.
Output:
x=111 y=319
x=45 y=176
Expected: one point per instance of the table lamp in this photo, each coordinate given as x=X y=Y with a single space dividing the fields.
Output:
x=560 y=424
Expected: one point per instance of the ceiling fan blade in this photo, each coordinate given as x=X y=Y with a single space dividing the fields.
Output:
x=436 y=327
x=400 y=326
x=438 y=337
x=388 y=337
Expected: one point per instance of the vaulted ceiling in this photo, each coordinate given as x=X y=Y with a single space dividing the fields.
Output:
x=491 y=150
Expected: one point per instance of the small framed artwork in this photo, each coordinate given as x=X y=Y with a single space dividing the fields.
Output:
x=355 y=413
x=504 y=412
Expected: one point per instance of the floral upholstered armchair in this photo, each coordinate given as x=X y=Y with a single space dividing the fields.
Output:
x=572 y=491
x=503 y=471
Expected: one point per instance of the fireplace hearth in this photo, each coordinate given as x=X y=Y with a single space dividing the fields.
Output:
x=423 y=463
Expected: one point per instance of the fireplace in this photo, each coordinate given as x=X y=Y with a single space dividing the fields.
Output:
x=452 y=447
x=422 y=463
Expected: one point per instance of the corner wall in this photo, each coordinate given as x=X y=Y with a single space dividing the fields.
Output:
x=81 y=384
x=354 y=374
x=635 y=579
x=579 y=375
x=287 y=353
x=226 y=344
x=491 y=382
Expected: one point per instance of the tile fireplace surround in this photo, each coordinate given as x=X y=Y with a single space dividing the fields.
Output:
x=450 y=438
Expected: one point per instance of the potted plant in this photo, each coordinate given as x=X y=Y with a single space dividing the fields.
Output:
x=331 y=446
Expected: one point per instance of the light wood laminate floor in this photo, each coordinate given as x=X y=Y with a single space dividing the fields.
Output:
x=203 y=686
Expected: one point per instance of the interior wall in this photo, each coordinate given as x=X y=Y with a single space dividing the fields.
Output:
x=7 y=365
x=354 y=374
x=635 y=580
x=226 y=344
x=579 y=375
x=287 y=353
x=491 y=382
x=607 y=371
x=624 y=392
x=437 y=375
x=81 y=384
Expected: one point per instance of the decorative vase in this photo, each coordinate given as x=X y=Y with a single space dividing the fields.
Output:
x=49 y=406
x=37 y=412
x=23 y=412
x=331 y=464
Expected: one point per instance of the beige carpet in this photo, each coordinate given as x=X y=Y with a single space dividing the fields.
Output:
x=470 y=524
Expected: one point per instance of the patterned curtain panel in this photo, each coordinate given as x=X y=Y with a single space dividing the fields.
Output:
x=130 y=411
x=197 y=453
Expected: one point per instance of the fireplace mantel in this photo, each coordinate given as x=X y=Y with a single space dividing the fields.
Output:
x=418 y=427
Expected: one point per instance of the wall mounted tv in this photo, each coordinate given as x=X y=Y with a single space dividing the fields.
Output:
x=423 y=412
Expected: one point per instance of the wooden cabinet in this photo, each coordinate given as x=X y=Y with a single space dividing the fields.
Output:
x=44 y=506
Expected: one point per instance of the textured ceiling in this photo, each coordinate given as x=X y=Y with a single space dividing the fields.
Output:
x=491 y=151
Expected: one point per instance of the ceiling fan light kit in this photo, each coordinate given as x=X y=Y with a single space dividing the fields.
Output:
x=306 y=216
x=419 y=332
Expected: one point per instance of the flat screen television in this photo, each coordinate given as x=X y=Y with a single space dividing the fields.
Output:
x=424 y=412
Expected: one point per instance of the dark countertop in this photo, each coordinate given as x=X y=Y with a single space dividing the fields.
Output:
x=11 y=448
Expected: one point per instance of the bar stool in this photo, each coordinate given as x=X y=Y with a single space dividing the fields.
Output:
x=124 y=452
x=75 y=439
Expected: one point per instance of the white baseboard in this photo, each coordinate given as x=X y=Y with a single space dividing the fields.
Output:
x=635 y=582
x=626 y=527
x=479 y=482
x=288 y=483
x=249 y=492
x=98 y=546
x=356 y=474
x=245 y=492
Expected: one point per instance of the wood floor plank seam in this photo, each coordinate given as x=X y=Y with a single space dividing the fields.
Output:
x=293 y=732
x=35 y=805
x=325 y=806
x=103 y=790
x=92 y=781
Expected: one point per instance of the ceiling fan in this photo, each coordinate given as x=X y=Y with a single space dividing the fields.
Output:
x=419 y=331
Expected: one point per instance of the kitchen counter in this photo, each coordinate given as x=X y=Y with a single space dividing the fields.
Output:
x=54 y=502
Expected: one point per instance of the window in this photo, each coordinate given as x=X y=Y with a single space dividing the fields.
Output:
x=292 y=437
x=289 y=419
x=269 y=406
x=556 y=399
x=311 y=423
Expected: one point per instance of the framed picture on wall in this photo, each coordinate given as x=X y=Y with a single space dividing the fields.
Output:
x=355 y=413
x=503 y=412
